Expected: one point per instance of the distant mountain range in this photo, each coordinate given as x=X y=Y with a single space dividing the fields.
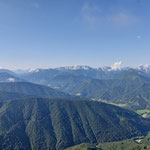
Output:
x=126 y=86
x=130 y=88
x=58 y=108
x=114 y=67
x=44 y=76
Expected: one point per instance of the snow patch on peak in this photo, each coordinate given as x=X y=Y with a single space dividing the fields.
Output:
x=106 y=68
x=33 y=70
x=145 y=68
x=77 y=67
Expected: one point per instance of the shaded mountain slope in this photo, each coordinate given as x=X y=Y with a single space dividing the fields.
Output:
x=7 y=77
x=67 y=83
x=93 y=88
x=30 y=89
x=130 y=88
x=12 y=96
x=8 y=71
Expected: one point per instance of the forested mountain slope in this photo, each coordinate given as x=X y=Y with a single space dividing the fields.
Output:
x=58 y=124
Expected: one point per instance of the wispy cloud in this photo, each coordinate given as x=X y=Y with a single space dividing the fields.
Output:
x=95 y=15
x=90 y=14
x=123 y=18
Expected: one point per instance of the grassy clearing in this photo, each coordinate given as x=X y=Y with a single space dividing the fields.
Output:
x=143 y=111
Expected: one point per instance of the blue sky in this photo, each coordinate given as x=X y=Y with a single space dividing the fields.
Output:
x=53 y=33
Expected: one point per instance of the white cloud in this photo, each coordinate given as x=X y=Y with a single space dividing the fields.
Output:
x=116 y=66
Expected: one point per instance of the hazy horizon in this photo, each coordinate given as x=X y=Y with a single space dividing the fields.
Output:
x=114 y=65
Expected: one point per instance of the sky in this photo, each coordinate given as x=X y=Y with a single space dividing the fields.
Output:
x=54 y=33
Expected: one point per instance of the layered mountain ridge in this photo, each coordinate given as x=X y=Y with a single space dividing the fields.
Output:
x=58 y=108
